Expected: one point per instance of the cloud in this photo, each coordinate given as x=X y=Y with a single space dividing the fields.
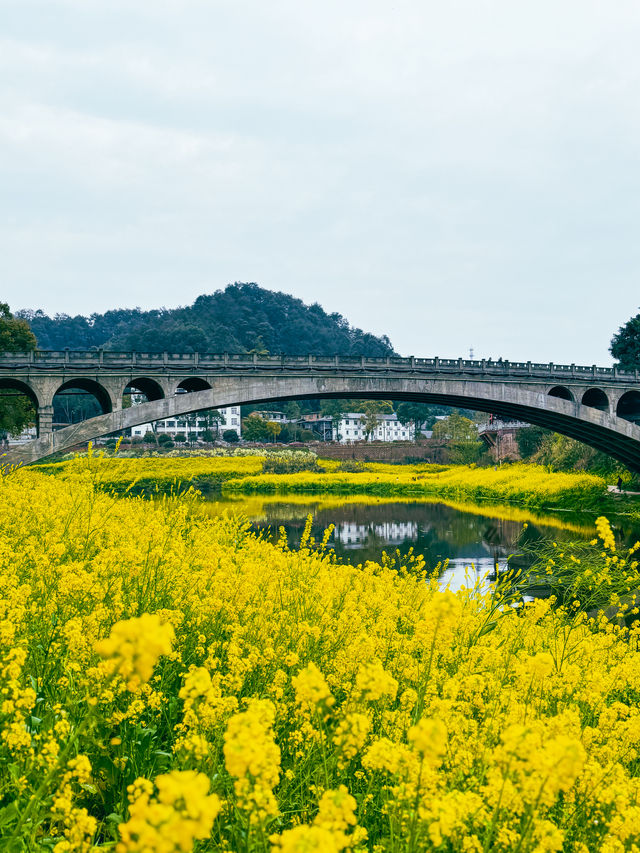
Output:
x=451 y=174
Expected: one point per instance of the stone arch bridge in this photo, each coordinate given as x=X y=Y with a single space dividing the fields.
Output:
x=597 y=405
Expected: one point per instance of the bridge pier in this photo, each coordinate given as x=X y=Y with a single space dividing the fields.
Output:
x=45 y=420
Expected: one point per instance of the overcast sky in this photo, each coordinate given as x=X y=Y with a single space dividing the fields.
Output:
x=453 y=174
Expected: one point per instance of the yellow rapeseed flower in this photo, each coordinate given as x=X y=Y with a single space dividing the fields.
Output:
x=133 y=647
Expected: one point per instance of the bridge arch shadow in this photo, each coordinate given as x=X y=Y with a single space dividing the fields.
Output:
x=146 y=387
x=596 y=399
x=14 y=391
x=191 y=384
x=629 y=406
x=80 y=399
x=561 y=393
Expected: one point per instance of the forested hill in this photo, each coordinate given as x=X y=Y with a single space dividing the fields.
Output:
x=240 y=318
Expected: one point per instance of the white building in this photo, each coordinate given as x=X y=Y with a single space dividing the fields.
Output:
x=273 y=416
x=194 y=425
x=351 y=427
x=27 y=434
x=350 y=534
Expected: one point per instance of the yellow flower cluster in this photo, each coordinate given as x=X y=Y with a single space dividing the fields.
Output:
x=332 y=830
x=605 y=533
x=152 y=473
x=169 y=820
x=270 y=698
x=79 y=827
x=253 y=758
x=373 y=682
x=311 y=689
x=134 y=646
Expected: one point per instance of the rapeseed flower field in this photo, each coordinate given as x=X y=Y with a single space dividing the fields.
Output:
x=158 y=473
x=527 y=485
x=171 y=682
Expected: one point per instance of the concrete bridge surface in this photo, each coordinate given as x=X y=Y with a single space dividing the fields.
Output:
x=597 y=405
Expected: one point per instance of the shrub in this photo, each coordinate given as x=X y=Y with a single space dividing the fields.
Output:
x=351 y=466
x=230 y=436
x=529 y=440
x=290 y=462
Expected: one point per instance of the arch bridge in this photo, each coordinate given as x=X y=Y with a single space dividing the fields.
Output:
x=596 y=405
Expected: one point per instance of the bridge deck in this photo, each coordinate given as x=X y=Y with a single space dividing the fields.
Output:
x=97 y=360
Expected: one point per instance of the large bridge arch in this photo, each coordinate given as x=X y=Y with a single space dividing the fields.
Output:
x=145 y=385
x=24 y=391
x=20 y=387
x=88 y=386
x=607 y=432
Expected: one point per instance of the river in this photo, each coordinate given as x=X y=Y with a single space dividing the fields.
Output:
x=472 y=538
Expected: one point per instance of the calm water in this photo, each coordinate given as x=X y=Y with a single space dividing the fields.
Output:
x=472 y=538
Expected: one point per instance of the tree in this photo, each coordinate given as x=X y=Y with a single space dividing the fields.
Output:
x=213 y=418
x=254 y=428
x=371 y=409
x=16 y=409
x=465 y=452
x=625 y=344
x=15 y=334
x=335 y=409
x=292 y=410
x=462 y=435
x=230 y=436
x=529 y=440
x=288 y=433
x=455 y=428
x=273 y=429
x=179 y=438
x=241 y=318
x=258 y=347
x=416 y=414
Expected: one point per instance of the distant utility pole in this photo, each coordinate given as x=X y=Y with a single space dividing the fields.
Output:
x=470 y=353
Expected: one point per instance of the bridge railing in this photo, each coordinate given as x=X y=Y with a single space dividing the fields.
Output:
x=75 y=360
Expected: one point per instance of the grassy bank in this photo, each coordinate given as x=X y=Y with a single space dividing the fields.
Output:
x=161 y=473
x=171 y=680
x=527 y=485
x=518 y=484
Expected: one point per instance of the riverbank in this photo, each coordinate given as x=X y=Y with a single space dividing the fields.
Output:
x=525 y=485
x=243 y=473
